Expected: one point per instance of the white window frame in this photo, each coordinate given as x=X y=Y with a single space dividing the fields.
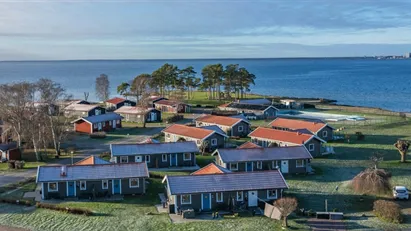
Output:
x=85 y=185
x=259 y=165
x=242 y=128
x=184 y=156
x=311 y=147
x=185 y=203
x=214 y=142
x=242 y=196
x=164 y=159
x=121 y=157
x=300 y=166
x=325 y=133
x=221 y=197
x=53 y=190
x=268 y=194
x=198 y=142
x=274 y=164
x=145 y=158
x=231 y=166
x=134 y=186
x=95 y=126
x=102 y=184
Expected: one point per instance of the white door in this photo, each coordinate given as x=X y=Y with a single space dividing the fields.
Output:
x=252 y=198
x=114 y=124
x=153 y=116
x=284 y=166
x=139 y=159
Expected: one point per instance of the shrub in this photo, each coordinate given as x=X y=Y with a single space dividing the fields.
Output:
x=98 y=135
x=16 y=202
x=19 y=164
x=174 y=118
x=372 y=181
x=11 y=164
x=77 y=211
x=388 y=211
x=105 y=155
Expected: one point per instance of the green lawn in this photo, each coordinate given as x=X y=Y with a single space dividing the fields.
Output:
x=200 y=98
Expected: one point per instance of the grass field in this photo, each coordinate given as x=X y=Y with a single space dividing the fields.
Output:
x=201 y=98
x=380 y=132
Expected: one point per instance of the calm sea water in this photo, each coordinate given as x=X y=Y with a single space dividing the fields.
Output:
x=377 y=83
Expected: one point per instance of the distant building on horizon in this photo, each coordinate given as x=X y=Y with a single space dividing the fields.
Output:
x=408 y=55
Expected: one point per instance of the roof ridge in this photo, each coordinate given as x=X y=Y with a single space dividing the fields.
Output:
x=291 y=132
x=231 y=173
x=174 y=143
x=85 y=165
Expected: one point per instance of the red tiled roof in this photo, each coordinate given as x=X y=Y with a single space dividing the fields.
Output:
x=132 y=110
x=280 y=135
x=312 y=126
x=193 y=132
x=91 y=160
x=249 y=145
x=115 y=100
x=221 y=120
x=224 y=105
x=168 y=102
x=209 y=169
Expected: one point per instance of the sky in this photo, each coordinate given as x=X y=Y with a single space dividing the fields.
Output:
x=183 y=29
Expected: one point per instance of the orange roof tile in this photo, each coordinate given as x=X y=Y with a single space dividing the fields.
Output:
x=280 y=135
x=221 y=120
x=249 y=145
x=182 y=130
x=224 y=105
x=210 y=169
x=115 y=100
x=168 y=102
x=312 y=126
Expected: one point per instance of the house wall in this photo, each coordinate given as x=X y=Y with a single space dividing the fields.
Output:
x=156 y=160
x=329 y=133
x=93 y=112
x=93 y=185
x=227 y=196
x=267 y=165
x=244 y=133
x=82 y=126
x=14 y=154
x=85 y=113
x=139 y=118
x=317 y=147
x=270 y=113
x=316 y=142
x=106 y=126
x=220 y=141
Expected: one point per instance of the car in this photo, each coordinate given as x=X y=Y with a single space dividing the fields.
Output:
x=400 y=192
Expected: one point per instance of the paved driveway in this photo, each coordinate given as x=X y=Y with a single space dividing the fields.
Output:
x=326 y=225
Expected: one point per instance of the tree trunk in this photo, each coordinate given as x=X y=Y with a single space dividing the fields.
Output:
x=38 y=156
x=285 y=222
x=53 y=133
x=403 y=157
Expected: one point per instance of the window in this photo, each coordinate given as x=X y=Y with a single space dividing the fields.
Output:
x=104 y=184
x=186 y=199
x=240 y=128
x=148 y=158
x=219 y=197
x=274 y=164
x=233 y=166
x=134 y=182
x=311 y=147
x=187 y=156
x=95 y=126
x=164 y=157
x=98 y=112
x=109 y=122
x=198 y=141
x=53 y=187
x=259 y=164
x=299 y=163
x=240 y=196
x=99 y=125
x=123 y=159
x=272 y=194
x=118 y=121
x=83 y=185
x=214 y=142
x=139 y=116
x=168 y=135
x=325 y=133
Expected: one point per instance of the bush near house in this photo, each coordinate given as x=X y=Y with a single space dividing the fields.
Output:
x=98 y=135
x=78 y=211
x=16 y=202
x=388 y=211
x=174 y=118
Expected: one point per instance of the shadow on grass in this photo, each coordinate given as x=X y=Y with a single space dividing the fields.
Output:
x=102 y=215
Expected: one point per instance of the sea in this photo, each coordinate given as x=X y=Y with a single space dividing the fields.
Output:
x=351 y=81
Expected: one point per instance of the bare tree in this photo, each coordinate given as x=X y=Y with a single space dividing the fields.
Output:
x=102 y=87
x=286 y=205
x=372 y=181
x=203 y=147
x=376 y=158
x=58 y=125
x=86 y=95
x=403 y=146
x=141 y=89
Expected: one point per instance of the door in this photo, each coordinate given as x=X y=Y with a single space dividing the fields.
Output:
x=284 y=166
x=71 y=187
x=173 y=159
x=249 y=167
x=139 y=159
x=116 y=186
x=153 y=116
x=114 y=124
x=252 y=198
x=206 y=201
x=99 y=126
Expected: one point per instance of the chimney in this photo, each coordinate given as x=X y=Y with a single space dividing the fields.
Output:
x=63 y=171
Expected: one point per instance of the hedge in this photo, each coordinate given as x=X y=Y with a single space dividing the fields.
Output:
x=388 y=211
x=16 y=202
x=77 y=211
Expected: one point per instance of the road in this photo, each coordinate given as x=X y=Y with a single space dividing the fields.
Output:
x=84 y=148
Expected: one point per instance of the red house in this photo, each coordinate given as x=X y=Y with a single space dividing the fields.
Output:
x=105 y=122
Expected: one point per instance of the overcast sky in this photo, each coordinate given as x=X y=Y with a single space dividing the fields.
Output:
x=57 y=30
